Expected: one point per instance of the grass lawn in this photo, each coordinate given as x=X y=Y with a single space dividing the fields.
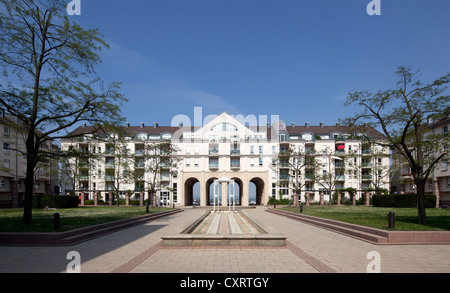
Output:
x=11 y=219
x=405 y=218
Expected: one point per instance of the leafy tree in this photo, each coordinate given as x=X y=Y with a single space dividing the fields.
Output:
x=401 y=114
x=51 y=85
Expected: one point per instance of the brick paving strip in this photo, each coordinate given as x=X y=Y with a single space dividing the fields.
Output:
x=309 y=259
x=131 y=264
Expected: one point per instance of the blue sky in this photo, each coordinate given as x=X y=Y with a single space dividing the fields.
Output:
x=296 y=59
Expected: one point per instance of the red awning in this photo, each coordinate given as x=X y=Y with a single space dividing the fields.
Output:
x=341 y=147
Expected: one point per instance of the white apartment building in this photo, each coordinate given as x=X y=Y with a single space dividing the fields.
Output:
x=224 y=147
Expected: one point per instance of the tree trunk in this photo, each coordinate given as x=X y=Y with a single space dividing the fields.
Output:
x=421 y=214
x=29 y=180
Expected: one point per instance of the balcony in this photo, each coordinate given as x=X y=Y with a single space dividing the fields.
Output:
x=340 y=177
x=339 y=165
x=366 y=177
x=110 y=152
x=139 y=152
x=164 y=177
x=109 y=177
x=235 y=152
x=235 y=164
x=284 y=177
x=139 y=164
x=214 y=152
x=83 y=177
x=213 y=165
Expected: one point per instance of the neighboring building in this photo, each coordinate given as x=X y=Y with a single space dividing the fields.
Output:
x=439 y=181
x=13 y=166
x=225 y=147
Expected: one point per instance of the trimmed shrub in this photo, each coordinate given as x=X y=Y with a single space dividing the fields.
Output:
x=40 y=201
x=407 y=200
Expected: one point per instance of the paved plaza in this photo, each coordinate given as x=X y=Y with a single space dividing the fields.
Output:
x=309 y=249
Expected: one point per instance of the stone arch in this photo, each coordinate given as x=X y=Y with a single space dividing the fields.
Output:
x=209 y=191
x=189 y=190
x=240 y=185
x=260 y=187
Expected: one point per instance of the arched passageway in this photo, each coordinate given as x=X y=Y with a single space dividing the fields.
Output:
x=256 y=187
x=191 y=191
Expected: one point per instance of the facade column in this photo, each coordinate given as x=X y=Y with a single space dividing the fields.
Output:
x=224 y=193
x=203 y=192
x=245 y=193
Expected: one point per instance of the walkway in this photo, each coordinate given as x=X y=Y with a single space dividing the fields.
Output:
x=309 y=250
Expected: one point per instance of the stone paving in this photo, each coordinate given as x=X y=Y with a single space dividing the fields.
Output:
x=309 y=249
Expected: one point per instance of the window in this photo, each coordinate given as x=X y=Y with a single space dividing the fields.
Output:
x=196 y=162
x=260 y=149
x=252 y=162
x=188 y=150
x=260 y=162
x=448 y=182
x=6 y=131
x=196 y=150
x=252 y=149
x=6 y=164
x=274 y=149
x=224 y=127
x=6 y=148
x=188 y=162
x=2 y=182
x=444 y=166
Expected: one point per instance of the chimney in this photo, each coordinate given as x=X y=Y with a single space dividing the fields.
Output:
x=155 y=124
x=83 y=125
x=142 y=125
x=307 y=124
x=321 y=124
x=337 y=124
x=293 y=124
x=180 y=124
x=127 y=125
x=268 y=124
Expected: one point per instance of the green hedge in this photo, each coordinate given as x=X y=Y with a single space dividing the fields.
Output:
x=282 y=201
x=41 y=201
x=407 y=200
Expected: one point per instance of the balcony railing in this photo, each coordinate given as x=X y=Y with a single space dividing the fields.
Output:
x=109 y=178
x=235 y=152
x=235 y=165
x=139 y=152
x=340 y=177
